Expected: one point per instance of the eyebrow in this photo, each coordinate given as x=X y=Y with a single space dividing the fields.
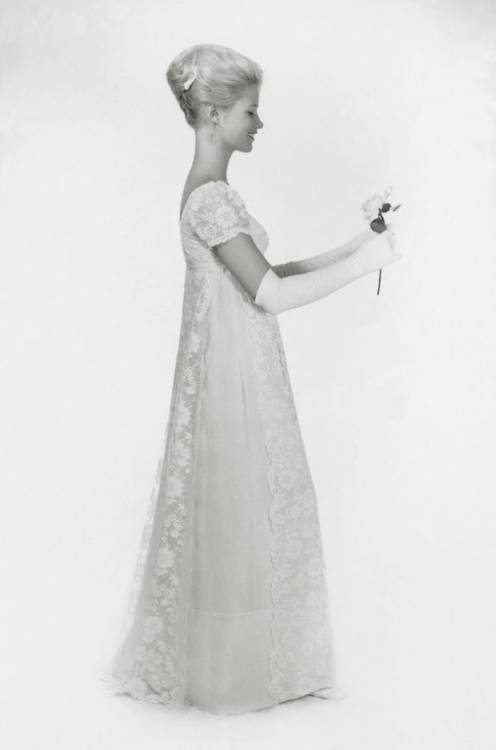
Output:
x=253 y=105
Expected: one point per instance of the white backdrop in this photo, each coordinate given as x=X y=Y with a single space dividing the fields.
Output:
x=396 y=393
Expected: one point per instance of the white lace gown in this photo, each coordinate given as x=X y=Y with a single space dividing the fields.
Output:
x=229 y=605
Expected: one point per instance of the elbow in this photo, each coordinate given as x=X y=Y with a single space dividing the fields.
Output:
x=267 y=303
x=268 y=293
x=268 y=307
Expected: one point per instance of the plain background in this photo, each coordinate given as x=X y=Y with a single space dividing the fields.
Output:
x=395 y=393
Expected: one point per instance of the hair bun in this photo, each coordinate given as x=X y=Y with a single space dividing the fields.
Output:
x=225 y=74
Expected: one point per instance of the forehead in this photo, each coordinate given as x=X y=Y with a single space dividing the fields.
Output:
x=249 y=97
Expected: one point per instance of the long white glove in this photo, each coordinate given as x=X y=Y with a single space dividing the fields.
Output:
x=275 y=294
x=324 y=259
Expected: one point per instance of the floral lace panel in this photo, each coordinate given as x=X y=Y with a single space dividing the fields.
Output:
x=301 y=656
x=150 y=663
x=218 y=213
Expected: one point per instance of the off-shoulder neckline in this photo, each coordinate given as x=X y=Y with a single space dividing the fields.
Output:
x=208 y=182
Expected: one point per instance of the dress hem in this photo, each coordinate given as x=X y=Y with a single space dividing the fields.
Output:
x=122 y=691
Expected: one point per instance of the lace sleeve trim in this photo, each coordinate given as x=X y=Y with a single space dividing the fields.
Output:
x=218 y=213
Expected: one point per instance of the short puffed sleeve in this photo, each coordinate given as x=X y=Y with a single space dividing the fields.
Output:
x=218 y=213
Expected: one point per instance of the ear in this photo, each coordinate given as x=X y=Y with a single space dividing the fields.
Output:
x=213 y=114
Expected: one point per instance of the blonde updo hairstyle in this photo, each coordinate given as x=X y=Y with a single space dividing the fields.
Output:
x=222 y=75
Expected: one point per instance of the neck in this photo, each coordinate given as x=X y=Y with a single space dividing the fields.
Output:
x=210 y=158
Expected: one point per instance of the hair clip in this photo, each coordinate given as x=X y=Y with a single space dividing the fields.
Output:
x=189 y=81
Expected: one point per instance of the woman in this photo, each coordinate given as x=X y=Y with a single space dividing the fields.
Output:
x=229 y=610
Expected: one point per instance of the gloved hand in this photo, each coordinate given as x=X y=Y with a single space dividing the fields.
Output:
x=276 y=294
x=377 y=251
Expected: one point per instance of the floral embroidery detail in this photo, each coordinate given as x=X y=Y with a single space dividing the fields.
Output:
x=218 y=213
x=301 y=653
x=150 y=662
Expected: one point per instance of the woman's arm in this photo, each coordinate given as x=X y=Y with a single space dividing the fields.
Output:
x=250 y=267
x=324 y=259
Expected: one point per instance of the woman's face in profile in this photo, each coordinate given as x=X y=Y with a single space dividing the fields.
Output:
x=240 y=124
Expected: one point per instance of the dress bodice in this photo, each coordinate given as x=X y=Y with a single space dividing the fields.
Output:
x=196 y=247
